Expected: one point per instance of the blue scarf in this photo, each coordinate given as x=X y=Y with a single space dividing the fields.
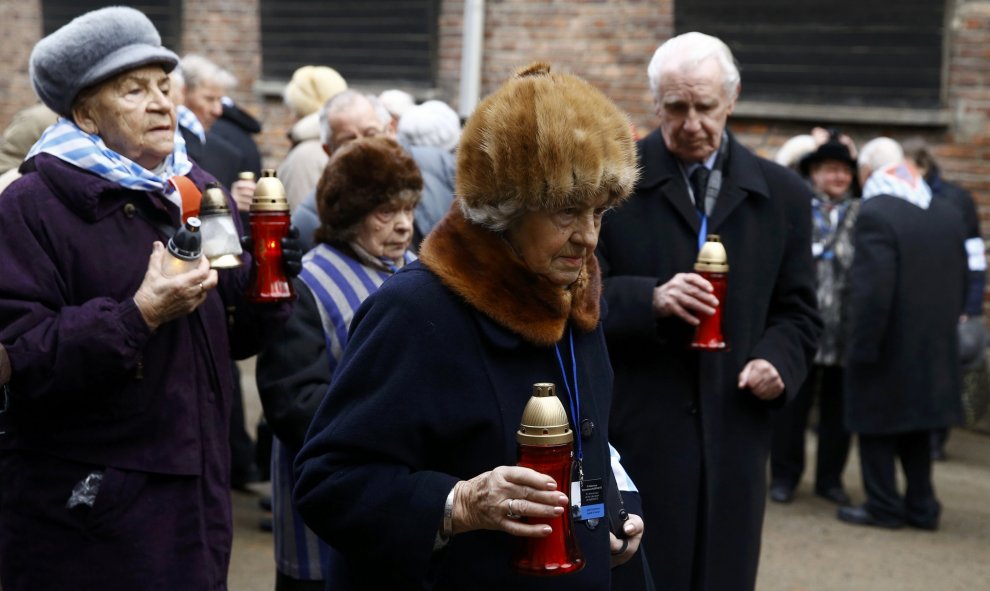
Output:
x=190 y=121
x=67 y=142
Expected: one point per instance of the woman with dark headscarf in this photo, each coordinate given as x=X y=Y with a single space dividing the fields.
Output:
x=408 y=469
x=365 y=199
x=114 y=458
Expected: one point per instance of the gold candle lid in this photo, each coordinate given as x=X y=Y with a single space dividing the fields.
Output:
x=245 y=175
x=544 y=420
x=214 y=201
x=712 y=257
x=269 y=193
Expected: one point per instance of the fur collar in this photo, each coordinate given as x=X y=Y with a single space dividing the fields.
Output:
x=479 y=265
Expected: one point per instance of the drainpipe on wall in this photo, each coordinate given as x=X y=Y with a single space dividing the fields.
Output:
x=472 y=45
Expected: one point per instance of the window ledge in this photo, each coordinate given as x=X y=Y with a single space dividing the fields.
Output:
x=843 y=114
x=272 y=89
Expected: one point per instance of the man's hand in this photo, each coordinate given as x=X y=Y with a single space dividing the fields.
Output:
x=686 y=296
x=762 y=379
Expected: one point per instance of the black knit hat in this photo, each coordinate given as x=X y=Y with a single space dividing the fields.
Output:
x=833 y=149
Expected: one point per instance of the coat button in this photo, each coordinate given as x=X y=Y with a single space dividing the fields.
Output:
x=130 y=210
x=587 y=428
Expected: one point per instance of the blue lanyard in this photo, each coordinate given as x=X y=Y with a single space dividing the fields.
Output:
x=703 y=232
x=573 y=400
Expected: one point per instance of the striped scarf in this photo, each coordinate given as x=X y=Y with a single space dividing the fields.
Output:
x=190 y=121
x=67 y=142
x=899 y=180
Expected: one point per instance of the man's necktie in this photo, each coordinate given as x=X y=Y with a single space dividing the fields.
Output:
x=699 y=183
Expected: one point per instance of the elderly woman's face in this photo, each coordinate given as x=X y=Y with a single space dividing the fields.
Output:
x=832 y=177
x=387 y=231
x=133 y=114
x=555 y=244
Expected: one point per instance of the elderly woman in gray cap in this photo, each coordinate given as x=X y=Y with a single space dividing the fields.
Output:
x=114 y=459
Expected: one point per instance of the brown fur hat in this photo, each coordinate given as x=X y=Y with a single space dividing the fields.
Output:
x=362 y=175
x=541 y=142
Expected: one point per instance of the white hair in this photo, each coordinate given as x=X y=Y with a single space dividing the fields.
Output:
x=433 y=123
x=397 y=101
x=689 y=50
x=794 y=149
x=384 y=115
x=338 y=102
x=880 y=152
x=197 y=70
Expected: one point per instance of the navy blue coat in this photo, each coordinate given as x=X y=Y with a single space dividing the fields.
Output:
x=430 y=391
x=696 y=445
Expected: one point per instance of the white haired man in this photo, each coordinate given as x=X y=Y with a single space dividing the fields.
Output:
x=908 y=289
x=693 y=427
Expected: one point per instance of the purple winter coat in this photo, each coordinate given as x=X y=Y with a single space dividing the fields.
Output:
x=91 y=383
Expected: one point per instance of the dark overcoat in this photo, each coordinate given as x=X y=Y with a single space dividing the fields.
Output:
x=908 y=285
x=93 y=388
x=694 y=443
x=430 y=391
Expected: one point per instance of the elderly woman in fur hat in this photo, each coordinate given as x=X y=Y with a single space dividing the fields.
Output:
x=408 y=469
x=115 y=456
x=365 y=199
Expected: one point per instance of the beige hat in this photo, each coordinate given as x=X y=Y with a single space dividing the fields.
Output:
x=311 y=87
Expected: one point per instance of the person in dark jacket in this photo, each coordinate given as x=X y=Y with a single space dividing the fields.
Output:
x=114 y=456
x=238 y=127
x=693 y=427
x=410 y=459
x=908 y=284
x=917 y=150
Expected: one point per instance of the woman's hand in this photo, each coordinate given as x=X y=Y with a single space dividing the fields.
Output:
x=243 y=193
x=162 y=298
x=484 y=502
x=623 y=550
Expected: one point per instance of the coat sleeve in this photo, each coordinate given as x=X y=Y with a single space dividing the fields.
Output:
x=293 y=372
x=872 y=281
x=793 y=325
x=55 y=344
x=363 y=481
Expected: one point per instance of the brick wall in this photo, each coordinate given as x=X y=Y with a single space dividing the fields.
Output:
x=607 y=42
x=20 y=29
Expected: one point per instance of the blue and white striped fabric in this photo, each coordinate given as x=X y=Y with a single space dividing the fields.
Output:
x=190 y=121
x=67 y=142
x=899 y=180
x=339 y=284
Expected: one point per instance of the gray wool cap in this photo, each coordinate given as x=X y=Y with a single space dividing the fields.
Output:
x=92 y=48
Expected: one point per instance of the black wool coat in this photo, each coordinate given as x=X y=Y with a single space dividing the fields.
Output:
x=695 y=444
x=908 y=285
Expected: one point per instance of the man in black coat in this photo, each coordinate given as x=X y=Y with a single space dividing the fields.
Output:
x=693 y=427
x=908 y=285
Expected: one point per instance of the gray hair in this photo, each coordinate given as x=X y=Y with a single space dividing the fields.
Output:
x=497 y=218
x=198 y=70
x=689 y=50
x=380 y=109
x=337 y=103
x=880 y=152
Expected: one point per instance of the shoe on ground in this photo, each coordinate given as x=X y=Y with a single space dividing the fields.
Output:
x=781 y=493
x=929 y=525
x=265 y=524
x=834 y=494
x=265 y=502
x=861 y=516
